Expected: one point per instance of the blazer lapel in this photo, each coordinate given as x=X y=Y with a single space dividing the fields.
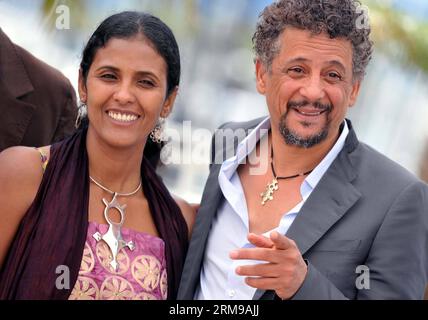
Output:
x=17 y=116
x=330 y=200
x=210 y=202
x=12 y=69
x=195 y=253
x=207 y=210
x=14 y=84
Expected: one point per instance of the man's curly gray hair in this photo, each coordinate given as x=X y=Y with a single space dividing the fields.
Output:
x=337 y=18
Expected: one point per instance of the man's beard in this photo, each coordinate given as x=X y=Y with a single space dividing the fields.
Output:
x=293 y=138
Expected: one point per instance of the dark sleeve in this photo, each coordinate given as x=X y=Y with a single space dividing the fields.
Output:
x=317 y=287
x=68 y=116
x=397 y=261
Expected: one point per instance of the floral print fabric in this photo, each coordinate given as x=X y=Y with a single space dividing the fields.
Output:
x=141 y=273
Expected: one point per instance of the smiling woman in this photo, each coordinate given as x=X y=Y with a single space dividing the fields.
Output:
x=97 y=207
x=126 y=92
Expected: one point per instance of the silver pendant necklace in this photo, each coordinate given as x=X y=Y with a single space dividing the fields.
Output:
x=113 y=236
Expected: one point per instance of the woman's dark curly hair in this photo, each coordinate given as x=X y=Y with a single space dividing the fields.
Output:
x=337 y=18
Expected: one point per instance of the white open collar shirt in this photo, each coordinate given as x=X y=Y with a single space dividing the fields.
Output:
x=230 y=226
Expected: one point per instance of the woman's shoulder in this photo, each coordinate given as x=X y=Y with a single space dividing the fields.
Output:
x=20 y=176
x=23 y=161
x=21 y=168
x=188 y=211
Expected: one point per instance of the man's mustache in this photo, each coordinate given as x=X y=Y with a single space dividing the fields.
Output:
x=305 y=103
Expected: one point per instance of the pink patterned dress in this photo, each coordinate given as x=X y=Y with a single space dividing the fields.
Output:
x=141 y=273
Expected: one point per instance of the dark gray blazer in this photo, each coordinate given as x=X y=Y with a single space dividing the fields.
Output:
x=366 y=210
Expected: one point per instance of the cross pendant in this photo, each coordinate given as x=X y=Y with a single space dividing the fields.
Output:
x=268 y=194
x=113 y=236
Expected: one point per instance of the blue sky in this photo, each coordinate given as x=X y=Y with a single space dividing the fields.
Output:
x=418 y=8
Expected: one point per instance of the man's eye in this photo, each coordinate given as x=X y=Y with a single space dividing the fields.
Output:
x=296 y=70
x=334 y=75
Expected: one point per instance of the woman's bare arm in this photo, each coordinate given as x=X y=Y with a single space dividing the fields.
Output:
x=188 y=212
x=20 y=177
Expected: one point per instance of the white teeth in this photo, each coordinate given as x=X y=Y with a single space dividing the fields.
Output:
x=310 y=113
x=122 y=117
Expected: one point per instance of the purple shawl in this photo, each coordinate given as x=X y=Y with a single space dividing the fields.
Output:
x=53 y=231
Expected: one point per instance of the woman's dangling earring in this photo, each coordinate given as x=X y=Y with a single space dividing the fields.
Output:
x=82 y=112
x=157 y=133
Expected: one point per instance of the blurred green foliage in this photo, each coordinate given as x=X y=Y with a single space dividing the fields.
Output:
x=398 y=34
x=79 y=20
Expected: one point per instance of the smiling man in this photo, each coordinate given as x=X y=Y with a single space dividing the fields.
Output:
x=330 y=218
